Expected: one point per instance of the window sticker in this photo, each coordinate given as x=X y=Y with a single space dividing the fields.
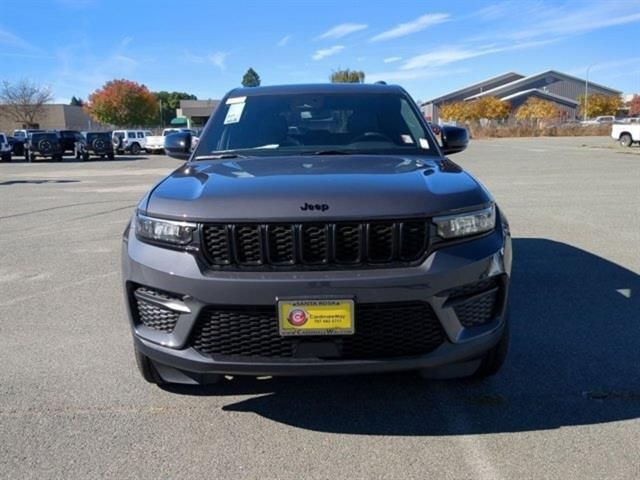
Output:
x=232 y=100
x=406 y=139
x=424 y=143
x=234 y=113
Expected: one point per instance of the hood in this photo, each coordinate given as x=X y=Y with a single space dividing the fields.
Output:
x=305 y=188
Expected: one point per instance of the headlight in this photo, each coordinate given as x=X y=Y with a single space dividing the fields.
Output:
x=167 y=231
x=464 y=224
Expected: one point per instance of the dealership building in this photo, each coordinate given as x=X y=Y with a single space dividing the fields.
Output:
x=559 y=88
x=194 y=113
x=53 y=116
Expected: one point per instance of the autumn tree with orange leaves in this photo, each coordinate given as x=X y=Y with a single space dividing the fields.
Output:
x=123 y=103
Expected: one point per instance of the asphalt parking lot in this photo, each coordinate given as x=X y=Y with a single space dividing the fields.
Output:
x=567 y=404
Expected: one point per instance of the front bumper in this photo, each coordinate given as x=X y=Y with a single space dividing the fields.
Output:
x=443 y=270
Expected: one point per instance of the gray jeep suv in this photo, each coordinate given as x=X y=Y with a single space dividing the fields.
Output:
x=317 y=229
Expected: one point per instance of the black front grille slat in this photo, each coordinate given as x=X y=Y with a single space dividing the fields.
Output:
x=247 y=243
x=281 y=244
x=382 y=330
x=380 y=242
x=315 y=245
x=348 y=243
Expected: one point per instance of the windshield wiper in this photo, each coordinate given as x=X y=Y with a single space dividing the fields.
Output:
x=220 y=156
x=330 y=152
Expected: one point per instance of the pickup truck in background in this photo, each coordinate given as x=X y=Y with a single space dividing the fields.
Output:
x=155 y=143
x=626 y=133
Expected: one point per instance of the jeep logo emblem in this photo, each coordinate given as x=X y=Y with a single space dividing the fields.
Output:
x=323 y=207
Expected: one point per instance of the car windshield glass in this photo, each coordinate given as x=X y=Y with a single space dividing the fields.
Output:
x=93 y=136
x=39 y=136
x=294 y=124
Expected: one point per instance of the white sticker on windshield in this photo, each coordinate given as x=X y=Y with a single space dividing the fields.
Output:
x=234 y=113
x=424 y=143
x=236 y=100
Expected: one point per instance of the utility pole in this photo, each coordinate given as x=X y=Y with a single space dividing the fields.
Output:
x=586 y=93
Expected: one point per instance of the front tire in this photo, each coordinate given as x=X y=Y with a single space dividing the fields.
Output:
x=6 y=157
x=626 y=140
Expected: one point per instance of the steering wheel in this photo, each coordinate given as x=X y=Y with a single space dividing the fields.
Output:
x=371 y=137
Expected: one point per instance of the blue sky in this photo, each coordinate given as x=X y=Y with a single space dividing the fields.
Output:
x=429 y=47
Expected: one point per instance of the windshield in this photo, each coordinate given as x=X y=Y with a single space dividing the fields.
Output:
x=39 y=136
x=290 y=124
x=102 y=135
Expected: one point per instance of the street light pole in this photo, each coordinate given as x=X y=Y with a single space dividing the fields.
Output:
x=586 y=93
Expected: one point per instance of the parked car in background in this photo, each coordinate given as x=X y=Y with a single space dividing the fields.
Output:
x=68 y=139
x=626 y=133
x=97 y=144
x=155 y=143
x=5 y=148
x=601 y=120
x=129 y=141
x=43 y=144
x=20 y=136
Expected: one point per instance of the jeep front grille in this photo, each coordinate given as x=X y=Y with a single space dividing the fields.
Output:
x=308 y=245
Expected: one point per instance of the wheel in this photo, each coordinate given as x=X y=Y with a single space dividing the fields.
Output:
x=494 y=358
x=111 y=156
x=135 y=149
x=146 y=368
x=626 y=140
x=6 y=157
x=57 y=158
x=85 y=156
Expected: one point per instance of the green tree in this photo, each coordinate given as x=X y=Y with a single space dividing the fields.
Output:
x=76 y=101
x=598 y=104
x=347 y=76
x=168 y=102
x=123 y=103
x=251 y=78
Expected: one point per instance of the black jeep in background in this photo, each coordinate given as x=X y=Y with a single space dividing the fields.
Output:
x=68 y=139
x=43 y=144
x=96 y=144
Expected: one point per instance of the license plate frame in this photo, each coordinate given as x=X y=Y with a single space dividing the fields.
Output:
x=322 y=316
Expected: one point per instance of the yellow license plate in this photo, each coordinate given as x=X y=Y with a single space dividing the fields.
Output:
x=315 y=317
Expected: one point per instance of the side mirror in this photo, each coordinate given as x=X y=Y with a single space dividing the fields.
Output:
x=454 y=139
x=178 y=145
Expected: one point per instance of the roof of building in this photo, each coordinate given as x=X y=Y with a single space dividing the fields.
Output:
x=521 y=82
x=541 y=93
x=498 y=79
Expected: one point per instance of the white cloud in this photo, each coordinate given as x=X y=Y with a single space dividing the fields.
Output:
x=392 y=59
x=218 y=59
x=402 y=76
x=327 y=52
x=414 y=26
x=342 y=30
x=11 y=40
x=284 y=40
x=572 y=21
x=446 y=55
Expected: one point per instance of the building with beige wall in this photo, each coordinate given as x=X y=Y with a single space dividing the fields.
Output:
x=54 y=117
